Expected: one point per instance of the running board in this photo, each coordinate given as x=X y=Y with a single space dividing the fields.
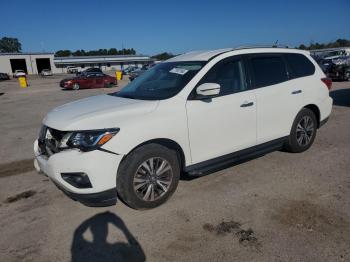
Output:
x=218 y=163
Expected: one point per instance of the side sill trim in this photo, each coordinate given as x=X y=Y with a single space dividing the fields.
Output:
x=228 y=160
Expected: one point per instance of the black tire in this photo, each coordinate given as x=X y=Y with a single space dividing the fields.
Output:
x=131 y=164
x=297 y=141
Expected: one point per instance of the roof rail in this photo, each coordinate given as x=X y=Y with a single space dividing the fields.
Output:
x=260 y=46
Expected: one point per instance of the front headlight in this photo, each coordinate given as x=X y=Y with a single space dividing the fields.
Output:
x=87 y=140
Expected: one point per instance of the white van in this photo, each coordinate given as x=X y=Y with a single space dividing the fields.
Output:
x=194 y=113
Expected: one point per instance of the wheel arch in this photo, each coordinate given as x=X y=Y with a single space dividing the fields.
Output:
x=314 y=108
x=171 y=144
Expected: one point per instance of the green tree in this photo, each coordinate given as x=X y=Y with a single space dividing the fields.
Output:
x=10 y=45
x=62 y=53
x=337 y=43
x=112 y=51
x=163 y=56
x=82 y=52
x=79 y=53
x=303 y=47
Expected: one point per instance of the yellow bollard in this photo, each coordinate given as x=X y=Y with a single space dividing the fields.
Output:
x=119 y=75
x=23 y=81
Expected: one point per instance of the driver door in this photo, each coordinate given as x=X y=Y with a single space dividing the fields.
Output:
x=226 y=123
x=87 y=81
x=99 y=80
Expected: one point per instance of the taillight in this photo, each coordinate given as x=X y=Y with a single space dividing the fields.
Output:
x=328 y=82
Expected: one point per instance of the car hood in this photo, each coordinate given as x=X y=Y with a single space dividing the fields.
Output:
x=97 y=112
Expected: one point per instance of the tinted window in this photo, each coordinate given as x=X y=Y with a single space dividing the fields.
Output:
x=229 y=75
x=161 y=81
x=299 y=65
x=268 y=70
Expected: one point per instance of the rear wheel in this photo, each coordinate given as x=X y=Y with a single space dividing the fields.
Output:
x=76 y=86
x=303 y=132
x=148 y=176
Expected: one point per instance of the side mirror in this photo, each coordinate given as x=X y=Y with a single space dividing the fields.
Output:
x=208 y=90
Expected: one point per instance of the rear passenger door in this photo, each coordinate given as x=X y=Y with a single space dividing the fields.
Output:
x=278 y=99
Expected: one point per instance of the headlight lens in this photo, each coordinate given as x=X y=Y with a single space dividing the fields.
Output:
x=88 y=140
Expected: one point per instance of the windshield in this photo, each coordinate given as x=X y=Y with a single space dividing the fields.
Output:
x=161 y=82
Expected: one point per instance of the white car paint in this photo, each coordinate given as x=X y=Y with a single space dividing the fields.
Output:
x=19 y=73
x=46 y=72
x=98 y=112
x=212 y=135
x=202 y=130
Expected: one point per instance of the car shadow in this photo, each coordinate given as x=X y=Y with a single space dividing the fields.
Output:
x=99 y=249
x=341 y=97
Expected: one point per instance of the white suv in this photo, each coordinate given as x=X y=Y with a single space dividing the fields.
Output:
x=195 y=113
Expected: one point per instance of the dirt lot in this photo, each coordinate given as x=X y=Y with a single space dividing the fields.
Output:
x=279 y=207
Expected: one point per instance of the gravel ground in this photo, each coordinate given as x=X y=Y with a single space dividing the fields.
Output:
x=279 y=207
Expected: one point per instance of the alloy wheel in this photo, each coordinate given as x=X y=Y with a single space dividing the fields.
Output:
x=153 y=179
x=305 y=130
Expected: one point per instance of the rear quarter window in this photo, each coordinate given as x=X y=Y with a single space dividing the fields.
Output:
x=299 y=65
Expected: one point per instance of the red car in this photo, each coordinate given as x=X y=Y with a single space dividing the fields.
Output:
x=92 y=80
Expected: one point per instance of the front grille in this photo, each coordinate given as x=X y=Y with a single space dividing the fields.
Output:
x=49 y=140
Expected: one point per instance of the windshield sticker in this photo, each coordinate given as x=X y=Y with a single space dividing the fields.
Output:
x=179 y=71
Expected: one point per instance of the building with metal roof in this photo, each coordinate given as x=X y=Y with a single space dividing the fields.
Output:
x=35 y=62
x=107 y=62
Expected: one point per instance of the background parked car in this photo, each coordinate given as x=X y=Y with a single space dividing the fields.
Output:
x=129 y=69
x=337 y=68
x=72 y=69
x=19 y=73
x=136 y=73
x=88 y=80
x=90 y=70
x=46 y=72
x=148 y=66
x=4 y=76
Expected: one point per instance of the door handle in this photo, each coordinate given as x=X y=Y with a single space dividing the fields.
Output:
x=295 y=92
x=246 y=104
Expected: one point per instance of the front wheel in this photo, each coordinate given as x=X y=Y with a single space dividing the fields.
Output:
x=148 y=176
x=303 y=132
x=76 y=86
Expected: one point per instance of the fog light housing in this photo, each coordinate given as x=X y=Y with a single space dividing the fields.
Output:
x=78 y=179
